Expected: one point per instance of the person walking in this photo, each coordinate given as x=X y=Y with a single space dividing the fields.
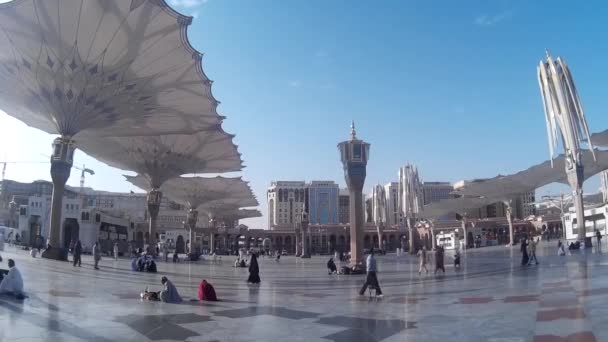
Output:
x=96 y=254
x=598 y=236
x=77 y=253
x=371 y=278
x=115 y=250
x=254 y=270
x=439 y=262
x=423 y=259
x=524 y=252
x=532 y=251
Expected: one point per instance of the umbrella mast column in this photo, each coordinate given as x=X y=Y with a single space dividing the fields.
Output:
x=464 y=231
x=305 y=236
x=574 y=171
x=411 y=221
x=298 y=250
x=153 y=201
x=509 y=215
x=192 y=219
x=213 y=222
x=61 y=166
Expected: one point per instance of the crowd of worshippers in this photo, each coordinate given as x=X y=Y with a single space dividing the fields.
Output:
x=143 y=263
x=206 y=292
x=169 y=293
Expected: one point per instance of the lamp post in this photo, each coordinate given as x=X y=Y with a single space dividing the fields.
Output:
x=354 y=154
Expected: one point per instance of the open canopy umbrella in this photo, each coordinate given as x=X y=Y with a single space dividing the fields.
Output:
x=99 y=67
x=158 y=159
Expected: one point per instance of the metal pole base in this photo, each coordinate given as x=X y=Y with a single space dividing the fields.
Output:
x=55 y=253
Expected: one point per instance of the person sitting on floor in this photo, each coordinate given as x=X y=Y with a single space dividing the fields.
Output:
x=560 y=248
x=574 y=245
x=457 y=259
x=206 y=292
x=12 y=282
x=358 y=268
x=331 y=266
x=169 y=294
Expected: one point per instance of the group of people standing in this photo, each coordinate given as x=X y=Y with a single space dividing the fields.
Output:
x=439 y=259
x=528 y=251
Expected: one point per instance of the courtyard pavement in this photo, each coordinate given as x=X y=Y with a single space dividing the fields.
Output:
x=492 y=298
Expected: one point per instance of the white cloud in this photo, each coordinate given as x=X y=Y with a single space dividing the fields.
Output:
x=187 y=3
x=294 y=83
x=490 y=20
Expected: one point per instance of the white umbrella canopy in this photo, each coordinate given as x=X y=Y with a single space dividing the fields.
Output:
x=600 y=139
x=104 y=67
x=455 y=206
x=230 y=203
x=160 y=158
x=196 y=191
x=505 y=187
x=236 y=214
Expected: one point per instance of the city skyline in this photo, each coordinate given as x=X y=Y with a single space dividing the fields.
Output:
x=408 y=93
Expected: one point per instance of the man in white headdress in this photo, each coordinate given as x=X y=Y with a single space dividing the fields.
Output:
x=12 y=283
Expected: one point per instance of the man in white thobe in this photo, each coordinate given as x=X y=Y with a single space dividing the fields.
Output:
x=12 y=283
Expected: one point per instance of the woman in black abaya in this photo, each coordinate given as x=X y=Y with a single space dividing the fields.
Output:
x=254 y=270
x=524 y=252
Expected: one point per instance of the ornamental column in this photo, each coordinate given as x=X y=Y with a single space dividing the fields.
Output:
x=305 y=236
x=61 y=166
x=192 y=219
x=153 y=200
x=354 y=154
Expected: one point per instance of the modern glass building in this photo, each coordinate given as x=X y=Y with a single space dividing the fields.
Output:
x=323 y=202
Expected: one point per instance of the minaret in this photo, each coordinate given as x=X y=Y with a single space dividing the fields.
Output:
x=354 y=154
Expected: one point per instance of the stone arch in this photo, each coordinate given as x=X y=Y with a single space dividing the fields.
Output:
x=332 y=243
x=367 y=242
x=288 y=245
x=180 y=245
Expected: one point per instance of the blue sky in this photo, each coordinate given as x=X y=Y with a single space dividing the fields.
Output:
x=448 y=85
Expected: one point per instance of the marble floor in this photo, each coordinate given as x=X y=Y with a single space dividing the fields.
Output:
x=492 y=298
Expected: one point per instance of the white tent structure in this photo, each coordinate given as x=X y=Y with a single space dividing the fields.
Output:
x=459 y=206
x=411 y=198
x=158 y=159
x=196 y=191
x=566 y=120
x=100 y=67
x=506 y=188
x=379 y=210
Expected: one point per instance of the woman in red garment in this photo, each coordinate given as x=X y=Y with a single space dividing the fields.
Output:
x=206 y=292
